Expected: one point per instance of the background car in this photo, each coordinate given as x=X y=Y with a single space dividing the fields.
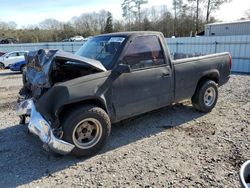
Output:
x=18 y=66
x=12 y=57
x=77 y=39
x=2 y=53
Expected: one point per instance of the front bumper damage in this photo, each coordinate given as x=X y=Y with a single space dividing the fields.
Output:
x=41 y=128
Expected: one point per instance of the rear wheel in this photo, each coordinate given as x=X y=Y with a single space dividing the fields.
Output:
x=87 y=128
x=2 y=66
x=205 y=96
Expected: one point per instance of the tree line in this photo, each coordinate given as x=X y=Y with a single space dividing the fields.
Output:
x=185 y=18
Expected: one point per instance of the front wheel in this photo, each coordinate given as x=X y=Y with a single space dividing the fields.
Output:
x=205 y=96
x=87 y=128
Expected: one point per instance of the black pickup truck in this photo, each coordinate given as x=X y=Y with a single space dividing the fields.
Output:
x=72 y=100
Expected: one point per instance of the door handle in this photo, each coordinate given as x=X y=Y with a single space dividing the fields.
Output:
x=165 y=75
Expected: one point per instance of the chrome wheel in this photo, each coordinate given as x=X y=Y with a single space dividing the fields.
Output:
x=210 y=96
x=87 y=133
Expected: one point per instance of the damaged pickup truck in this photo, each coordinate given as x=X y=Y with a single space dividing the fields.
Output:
x=72 y=100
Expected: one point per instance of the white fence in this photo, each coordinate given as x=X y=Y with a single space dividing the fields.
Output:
x=238 y=46
x=66 y=46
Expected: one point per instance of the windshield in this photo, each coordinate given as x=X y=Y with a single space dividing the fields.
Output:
x=103 y=49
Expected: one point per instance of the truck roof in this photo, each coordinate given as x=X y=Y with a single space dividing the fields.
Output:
x=130 y=33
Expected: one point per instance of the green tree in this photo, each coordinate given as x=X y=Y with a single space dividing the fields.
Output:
x=109 y=24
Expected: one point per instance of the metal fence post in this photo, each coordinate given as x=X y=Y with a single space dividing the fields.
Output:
x=215 y=47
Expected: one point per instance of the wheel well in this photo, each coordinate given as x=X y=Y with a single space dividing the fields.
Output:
x=67 y=108
x=213 y=76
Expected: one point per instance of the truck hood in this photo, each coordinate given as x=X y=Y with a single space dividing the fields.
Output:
x=41 y=63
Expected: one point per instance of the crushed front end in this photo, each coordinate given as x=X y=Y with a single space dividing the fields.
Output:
x=42 y=128
x=46 y=68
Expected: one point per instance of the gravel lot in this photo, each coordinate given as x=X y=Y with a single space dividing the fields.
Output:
x=171 y=147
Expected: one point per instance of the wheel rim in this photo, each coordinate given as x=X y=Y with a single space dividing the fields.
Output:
x=87 y=133
x=210 y=96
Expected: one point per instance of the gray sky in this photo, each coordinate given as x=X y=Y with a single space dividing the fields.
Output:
x=28 y=12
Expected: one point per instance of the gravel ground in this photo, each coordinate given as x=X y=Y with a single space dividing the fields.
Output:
x=171 y=147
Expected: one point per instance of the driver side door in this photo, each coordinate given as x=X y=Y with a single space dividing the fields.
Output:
x=149 y=85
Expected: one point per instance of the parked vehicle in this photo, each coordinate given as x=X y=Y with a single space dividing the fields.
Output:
x=8 y=40
x=77 y=39
x=18 y=66
x=12 y=57
x=2 y=53
x=72 y=100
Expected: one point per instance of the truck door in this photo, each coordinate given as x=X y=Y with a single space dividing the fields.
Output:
x=149 y=85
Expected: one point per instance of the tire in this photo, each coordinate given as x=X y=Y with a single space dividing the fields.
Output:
x=88 y=128
x=2 y=66
x=205 y=97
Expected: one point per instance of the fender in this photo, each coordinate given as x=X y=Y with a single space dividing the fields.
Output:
x=213 y=74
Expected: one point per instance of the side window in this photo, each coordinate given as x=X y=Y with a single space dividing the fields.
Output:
x=21 y=53
x=144 y=51
x=13 y=54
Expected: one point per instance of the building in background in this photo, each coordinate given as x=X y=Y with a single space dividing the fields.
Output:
x=228 y=29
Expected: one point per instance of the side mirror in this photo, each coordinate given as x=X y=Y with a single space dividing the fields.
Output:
x=122 y=68
x=7 y=56
x=245 y=174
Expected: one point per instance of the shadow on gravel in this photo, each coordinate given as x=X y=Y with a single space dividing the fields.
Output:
x=9 y=73
x=22 y=159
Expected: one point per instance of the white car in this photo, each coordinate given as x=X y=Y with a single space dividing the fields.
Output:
x=10 y=58
x=77 y=39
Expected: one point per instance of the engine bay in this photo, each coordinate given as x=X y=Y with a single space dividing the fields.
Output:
x=64 y=71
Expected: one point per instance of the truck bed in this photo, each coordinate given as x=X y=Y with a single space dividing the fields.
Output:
x=188 y=71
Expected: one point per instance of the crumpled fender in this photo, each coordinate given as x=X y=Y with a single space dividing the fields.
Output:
x=95 y=86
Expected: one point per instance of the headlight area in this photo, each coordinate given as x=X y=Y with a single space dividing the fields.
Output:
x=41 y=128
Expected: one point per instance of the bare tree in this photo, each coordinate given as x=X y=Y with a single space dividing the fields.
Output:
x=51 y=24
x=212 y=5
x=138 y=4
x=177 y=6
x=127 y=11
x=197 y=4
